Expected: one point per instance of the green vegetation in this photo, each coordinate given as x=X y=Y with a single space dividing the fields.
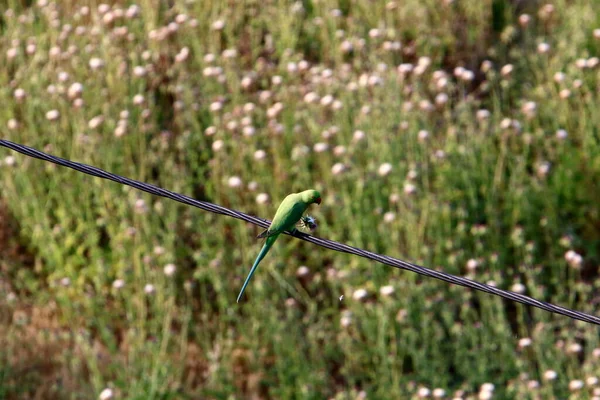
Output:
x=461 y=135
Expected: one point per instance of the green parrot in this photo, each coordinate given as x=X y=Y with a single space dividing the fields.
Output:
x=288 y=214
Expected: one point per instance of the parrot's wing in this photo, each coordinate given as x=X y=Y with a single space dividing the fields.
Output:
x=267 y=233
x=289 y=212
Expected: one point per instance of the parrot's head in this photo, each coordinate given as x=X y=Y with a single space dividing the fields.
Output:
x=311 y=196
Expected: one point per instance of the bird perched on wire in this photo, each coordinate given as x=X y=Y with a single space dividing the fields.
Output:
x=288 y=214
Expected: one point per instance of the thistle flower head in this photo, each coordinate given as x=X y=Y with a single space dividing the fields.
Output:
x=308 y=222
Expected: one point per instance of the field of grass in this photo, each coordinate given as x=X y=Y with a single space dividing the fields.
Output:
x=460 y=135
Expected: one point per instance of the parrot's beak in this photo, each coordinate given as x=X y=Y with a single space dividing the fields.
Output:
x=318 y=201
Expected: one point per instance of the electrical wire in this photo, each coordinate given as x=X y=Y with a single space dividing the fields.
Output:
x=328 y=244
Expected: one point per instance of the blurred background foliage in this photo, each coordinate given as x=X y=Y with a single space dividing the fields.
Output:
x=461 y=135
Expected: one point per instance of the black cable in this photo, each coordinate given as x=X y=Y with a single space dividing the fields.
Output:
x=328 y=244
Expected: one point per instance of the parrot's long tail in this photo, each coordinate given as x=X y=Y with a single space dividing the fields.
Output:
x=263 y=252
